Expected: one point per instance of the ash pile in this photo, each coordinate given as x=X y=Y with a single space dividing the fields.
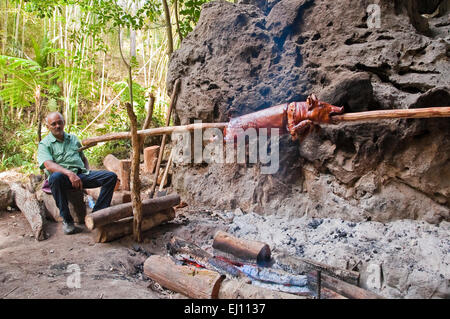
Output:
x=396 y=259
x=245 y=269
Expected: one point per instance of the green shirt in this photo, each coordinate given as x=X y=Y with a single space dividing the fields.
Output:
x=63 y=153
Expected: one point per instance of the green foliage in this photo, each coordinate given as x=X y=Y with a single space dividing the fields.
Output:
x=70 y=76
x=42 y=51
x=189 y=14
x=18 y=149
x=23 y=76
x=96 y=154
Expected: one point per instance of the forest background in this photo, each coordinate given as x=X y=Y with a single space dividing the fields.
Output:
x=64 y=55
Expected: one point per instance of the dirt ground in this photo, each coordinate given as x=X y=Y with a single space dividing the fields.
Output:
x=47 y=269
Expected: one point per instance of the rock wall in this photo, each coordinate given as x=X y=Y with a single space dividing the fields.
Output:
x=255 y=54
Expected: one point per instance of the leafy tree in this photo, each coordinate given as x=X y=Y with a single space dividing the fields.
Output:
x=190 y=13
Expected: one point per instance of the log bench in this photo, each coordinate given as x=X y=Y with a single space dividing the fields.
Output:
x=77 y=206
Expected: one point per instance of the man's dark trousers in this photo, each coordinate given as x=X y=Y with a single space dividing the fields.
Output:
x=60 y=184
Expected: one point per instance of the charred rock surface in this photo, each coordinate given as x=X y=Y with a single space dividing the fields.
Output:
x=248 y=56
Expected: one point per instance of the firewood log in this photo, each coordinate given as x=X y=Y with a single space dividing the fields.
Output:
x=302 y=265
x=343 y=288
x=243 y=249
x=239 y=289
x=6 y=198
x=31 y=208
x=119 y=197
x=124 y=227
x=114 y=213
x=197 y=283
x=122 y=168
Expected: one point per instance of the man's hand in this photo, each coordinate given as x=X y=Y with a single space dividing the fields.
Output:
x=75 y=180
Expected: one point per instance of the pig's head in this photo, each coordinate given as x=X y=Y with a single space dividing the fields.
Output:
x=321 y=112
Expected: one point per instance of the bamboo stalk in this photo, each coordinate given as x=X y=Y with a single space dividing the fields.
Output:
x=5 y=31
x=430 y=112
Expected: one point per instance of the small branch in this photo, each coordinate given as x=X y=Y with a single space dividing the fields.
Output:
x=120 y=50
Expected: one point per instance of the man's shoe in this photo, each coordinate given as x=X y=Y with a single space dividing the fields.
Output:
x=69 y=228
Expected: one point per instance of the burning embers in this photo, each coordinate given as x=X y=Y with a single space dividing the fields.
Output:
x=245 y=269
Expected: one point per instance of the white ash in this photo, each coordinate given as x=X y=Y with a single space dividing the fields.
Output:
x=413 y=255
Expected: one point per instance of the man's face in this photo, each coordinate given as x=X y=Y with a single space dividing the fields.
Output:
x=55 y=124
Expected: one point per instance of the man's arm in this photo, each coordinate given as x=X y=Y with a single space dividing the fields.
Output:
x=85 y=161
x=51 y=166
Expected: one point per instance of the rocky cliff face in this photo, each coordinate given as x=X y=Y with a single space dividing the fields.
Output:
x=248 y=56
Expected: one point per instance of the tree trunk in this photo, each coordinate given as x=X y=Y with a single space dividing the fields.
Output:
x=5 y=31
x=125 y=226
x=190 y=281
x=37 y=97
x=177 y=20
x=16 y=33
x=168 y=28
x=31 y=208
x=113 y=213
x=243 y=249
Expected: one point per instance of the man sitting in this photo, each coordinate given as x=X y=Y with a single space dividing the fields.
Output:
x=69 y=169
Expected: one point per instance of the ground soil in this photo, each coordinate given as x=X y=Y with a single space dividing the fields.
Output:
x=411 y=255
x=42 y=269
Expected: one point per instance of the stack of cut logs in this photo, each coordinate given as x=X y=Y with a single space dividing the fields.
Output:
x=117 y=221
x=250 y=273
x=122 y=168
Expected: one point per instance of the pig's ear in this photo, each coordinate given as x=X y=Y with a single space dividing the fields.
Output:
x=312 y=102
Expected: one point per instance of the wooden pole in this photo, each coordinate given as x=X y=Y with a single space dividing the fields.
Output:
x=243 y=249
x=92 y=141
x=196 y=283
x=113 y=213
x=341 y=287
x=173 y=99
x=239 y=289
x=302 y=265
x=166 y=171
x=148 y=117
x=430 y=112
x=124 y=227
